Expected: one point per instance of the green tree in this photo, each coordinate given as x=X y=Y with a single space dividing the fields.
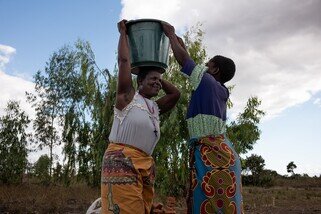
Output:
x=88 y=120
x=290 y=168
x=244 y=132
x=42 y=169
x=255 y=164
x=13 y=143
x=72 y=95
x=57 y=173
x=46 y=103
x=259 y=177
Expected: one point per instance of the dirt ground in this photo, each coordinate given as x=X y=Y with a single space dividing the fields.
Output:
x=282 y=200
x=56 y=199
x=277 y=200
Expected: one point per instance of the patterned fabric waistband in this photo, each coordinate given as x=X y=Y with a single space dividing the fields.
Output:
x=203 y=140
x=205 y=125
x=130 y=146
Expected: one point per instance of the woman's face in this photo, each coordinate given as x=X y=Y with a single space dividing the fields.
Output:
x=212 y=68
x=151 y=84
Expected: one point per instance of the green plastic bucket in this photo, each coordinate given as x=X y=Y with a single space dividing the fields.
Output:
x=147 y=43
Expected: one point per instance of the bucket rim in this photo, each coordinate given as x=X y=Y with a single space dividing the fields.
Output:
x=136 y=68
x=134 y=21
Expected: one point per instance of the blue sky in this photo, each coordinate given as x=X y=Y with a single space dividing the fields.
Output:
x=278 y=57
x=38 y=28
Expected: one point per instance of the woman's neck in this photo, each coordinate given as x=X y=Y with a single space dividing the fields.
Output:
x=144 y=95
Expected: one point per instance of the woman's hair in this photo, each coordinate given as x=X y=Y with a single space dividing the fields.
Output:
x=143 y=71
x=226 y=66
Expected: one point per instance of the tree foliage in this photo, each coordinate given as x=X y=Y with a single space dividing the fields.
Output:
x=73 y=107
x=244 y=132
x=255 y=164
x=259 y=176
x=13 y=143
x=290 y=168
x=42 y=169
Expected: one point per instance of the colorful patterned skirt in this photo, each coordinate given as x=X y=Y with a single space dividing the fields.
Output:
x=127 y=180
x=215 y=185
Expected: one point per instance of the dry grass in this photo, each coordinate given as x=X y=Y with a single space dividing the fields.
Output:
x=288 y=196
x=41 y=199
x=282 y=200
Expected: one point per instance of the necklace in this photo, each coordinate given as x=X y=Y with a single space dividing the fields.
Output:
x=151 y=111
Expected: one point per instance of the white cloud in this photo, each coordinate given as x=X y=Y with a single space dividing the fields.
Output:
x=278 y=56
x=164 y=10
x=13 y=88
x=283 y=74
x=317 y=102
x=5 y=54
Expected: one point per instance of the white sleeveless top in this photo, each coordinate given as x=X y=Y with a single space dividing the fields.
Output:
x=137 y=124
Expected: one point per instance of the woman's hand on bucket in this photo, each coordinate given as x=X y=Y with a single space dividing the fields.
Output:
x=122 y=26
x=168 y=29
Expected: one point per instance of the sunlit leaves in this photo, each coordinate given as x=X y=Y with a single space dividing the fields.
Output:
x=244 y=132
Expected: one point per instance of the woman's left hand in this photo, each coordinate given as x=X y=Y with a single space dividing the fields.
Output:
x=122 y=26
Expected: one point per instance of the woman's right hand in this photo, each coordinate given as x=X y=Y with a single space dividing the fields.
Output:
x=122 y=26
x=168 y=29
